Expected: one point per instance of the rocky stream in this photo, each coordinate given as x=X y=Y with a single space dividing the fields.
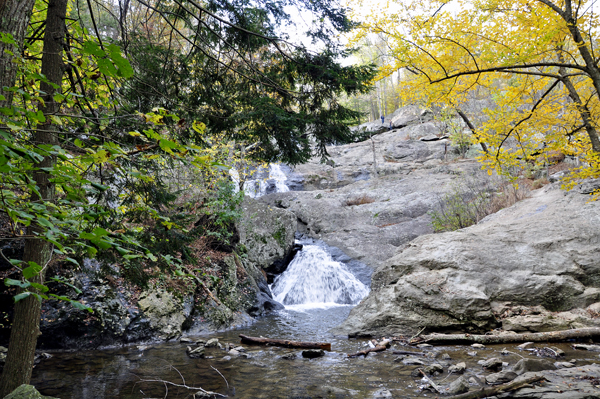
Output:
x=345 y=254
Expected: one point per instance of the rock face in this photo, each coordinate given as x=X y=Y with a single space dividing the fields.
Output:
x=124 y=314
x=165 y=313
x=26 y=392
x=366 y=216
x=266 y=232
x=540 y=255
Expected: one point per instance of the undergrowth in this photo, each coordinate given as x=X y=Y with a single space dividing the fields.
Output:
x=474 y=197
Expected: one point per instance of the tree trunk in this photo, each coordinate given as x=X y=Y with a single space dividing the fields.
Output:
x=26 y=320
x=285 y=343
x=470 y=125
x=453 y=339
x=14 y=18
x=584 y=112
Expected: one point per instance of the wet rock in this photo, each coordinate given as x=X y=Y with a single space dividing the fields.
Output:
x=505 y=352
x=240 y=349
x=200 y=342
x=434 y=369
x=478 y=346
x=494 y=364
x=458 y=386
x=186 y=340
x=413 y=361
x=424 y=346
x=233 y=352
x=564 y=365
x=525 y=345
x=501 y=377
x=165 y=312
x=335 y=392
x=472 y=353
x=226 y=358
x=432 y=355
x=26 y=392
x=445 y=356
x=382 y=393
x=595 y=348
x=458 y=368
x=290 y=356
x=266 y=232
x=313 y=353
x=212 y=342
x=571 y=383
x=532 y=365
x=195 y=353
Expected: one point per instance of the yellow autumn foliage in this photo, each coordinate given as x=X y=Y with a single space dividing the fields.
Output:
x=534 y=61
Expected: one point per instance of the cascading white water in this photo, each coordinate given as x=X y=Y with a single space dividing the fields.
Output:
x=314 y=279
x=258 y=187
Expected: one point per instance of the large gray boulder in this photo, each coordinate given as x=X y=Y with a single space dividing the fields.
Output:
x=266 y=231
x=540 y=254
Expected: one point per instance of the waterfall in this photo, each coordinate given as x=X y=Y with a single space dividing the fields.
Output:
x=263 y=184
x=314 y=279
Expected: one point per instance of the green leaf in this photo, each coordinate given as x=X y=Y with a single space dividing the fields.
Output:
x=92 y=48
x=99 y=231
x=40 y=287
x=99 y=187
x=18 y=283
x=44 y=222
x=72 y=261
x=81 y=306
x=32 y=271
x=22 y=295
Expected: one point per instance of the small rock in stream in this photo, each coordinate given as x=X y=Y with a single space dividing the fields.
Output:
x=478 y=346
x=212 y=342
x=186 y=340
x=458 y=368
x=313 y=353
x=424 y=346
x=445 y=356
x=527 y=365
x=501 y=377
x=494 y=364
x=458 y=386
x=413 y=361
x=525 y=345
x=290 y=356
x=382 y=394
x=472 y=353
x=196 y=353
x=434 y=369
x=564 y=365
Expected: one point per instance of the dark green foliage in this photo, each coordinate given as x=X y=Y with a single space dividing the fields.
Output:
x=220 y=213
x=258 y=90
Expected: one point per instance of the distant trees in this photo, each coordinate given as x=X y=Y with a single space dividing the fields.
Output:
x=535 y=60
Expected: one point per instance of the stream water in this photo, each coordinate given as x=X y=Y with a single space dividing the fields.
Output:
x=318 y=292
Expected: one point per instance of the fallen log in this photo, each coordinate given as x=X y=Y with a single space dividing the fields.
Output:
x=498 y=389
x=285 y=343
x=453 y=339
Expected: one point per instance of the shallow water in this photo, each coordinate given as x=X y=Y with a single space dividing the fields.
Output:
x=117 y=373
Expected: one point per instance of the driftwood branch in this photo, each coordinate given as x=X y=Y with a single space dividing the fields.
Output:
x=498 y=389
x=379 y=347
x=285 y=343
x=430 y=381
x=449 y=339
